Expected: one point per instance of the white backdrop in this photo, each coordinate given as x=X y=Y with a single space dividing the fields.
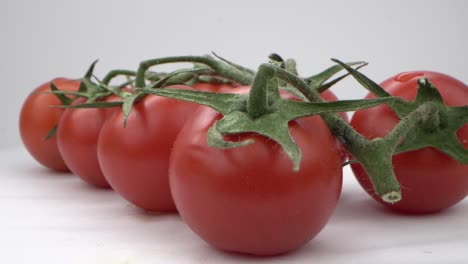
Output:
x=45 y=39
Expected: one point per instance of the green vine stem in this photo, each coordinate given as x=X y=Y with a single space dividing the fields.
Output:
x=221 y=66
x=114 y=73
x=257 y=104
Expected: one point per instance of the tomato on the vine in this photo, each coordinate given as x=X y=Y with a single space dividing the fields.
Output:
x=329 y=96
x=249 y=199
x=214 y=87
x=38 y=118
x=430 y=180
x=77 y=138
x=135 y=158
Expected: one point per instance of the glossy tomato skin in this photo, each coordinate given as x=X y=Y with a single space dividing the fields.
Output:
x=135 y=158
x=37 y=119
x=77 y=138
x=248 y=199
x=430 y=180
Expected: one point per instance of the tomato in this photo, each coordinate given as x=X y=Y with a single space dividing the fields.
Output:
x=430 y=180
x=135 y=158
x=249 y=199
x=77 y=137
x=37 y=119
x=329 y=96
x=214 y=87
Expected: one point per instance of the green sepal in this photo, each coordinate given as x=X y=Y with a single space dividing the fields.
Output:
x=440 y=128
x=89 y=72
x=269 y=125
x=215 y=138
x=127 y=105
x=234 y=65
x=62 y=97
x=459 y=115
x=400 y=107
x=51 y=133
x=316 y=81
x=82 y=88
x=221 y=102
x=325 y=86
x=297 y=109
x=90 y=86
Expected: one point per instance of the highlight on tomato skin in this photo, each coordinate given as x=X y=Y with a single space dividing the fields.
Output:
x=248 y=199
x=431 y=180
x=37 y=119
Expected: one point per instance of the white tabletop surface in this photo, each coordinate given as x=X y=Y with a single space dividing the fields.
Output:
x=51 y=218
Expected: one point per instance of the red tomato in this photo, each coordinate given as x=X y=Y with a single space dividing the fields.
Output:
x=329 y=96
x=77 y=138
x=430 y=180
x=135 y=158
x=37 y=118
x=213 y=87
x=249 y=199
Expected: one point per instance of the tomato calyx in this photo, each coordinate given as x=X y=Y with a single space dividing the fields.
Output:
x=425 y=122
x=440 y=122
x=263 y=110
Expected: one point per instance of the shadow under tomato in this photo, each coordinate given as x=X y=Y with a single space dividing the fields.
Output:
x=22 y=167
x=312 y=249
x=38 y=170
x=145 y=215
x=354 y=206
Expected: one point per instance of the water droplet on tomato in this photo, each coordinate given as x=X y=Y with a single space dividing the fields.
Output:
x=406 y=76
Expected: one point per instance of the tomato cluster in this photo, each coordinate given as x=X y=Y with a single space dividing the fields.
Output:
x=245 y=199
